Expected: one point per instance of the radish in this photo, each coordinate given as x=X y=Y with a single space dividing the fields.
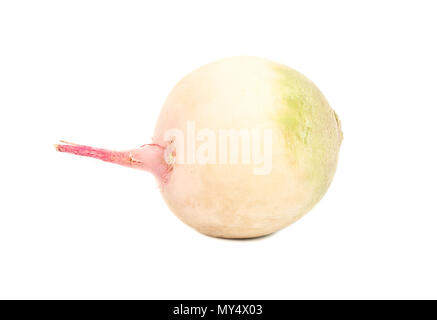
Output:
x=243 y=147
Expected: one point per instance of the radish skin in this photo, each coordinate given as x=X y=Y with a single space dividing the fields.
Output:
x=301 y=137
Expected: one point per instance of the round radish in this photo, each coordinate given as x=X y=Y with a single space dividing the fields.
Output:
x=243 y=147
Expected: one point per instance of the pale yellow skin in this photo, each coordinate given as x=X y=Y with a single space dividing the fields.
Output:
x=228 y=200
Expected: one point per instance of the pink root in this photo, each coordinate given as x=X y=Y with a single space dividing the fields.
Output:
x=149 y=157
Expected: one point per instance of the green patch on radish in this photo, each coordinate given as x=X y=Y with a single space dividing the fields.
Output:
x=303 y=120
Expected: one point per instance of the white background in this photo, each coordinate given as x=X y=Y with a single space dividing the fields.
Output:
x=97 y=72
